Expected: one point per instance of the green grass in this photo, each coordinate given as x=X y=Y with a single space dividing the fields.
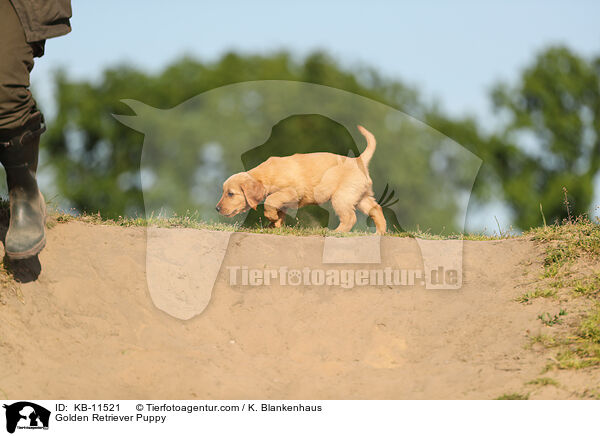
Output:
x=589 y=328
x=513 y=396
x=557 y=257
x=551 y=320
x=582 y=348
x=544 y=381
x=538 y=293
x=191 y=220
x=589 y=287
x=545 y=340
x=567 y=244
x=579 y=358
x=582 y=236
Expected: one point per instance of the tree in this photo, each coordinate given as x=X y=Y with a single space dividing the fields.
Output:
x=551 y=138
x=548 y=138
x=98 y=159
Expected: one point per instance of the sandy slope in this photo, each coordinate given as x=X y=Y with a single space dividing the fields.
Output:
x=87 y=328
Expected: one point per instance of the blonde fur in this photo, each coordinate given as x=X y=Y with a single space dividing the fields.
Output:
x=291 y=182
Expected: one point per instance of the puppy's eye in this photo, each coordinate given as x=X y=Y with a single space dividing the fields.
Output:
x=230 y=194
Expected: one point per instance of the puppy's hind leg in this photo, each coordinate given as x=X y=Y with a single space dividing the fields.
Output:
x=369 y=206
x=345 y=212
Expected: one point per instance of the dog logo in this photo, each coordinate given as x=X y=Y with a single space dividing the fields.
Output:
x=191 y=149
x=26 y=415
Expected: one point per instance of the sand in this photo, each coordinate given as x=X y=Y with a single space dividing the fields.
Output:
x=84 y=325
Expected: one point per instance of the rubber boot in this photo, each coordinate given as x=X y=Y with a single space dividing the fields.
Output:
x=19 y=155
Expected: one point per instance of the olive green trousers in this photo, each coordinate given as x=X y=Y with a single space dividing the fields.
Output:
x=16 y=62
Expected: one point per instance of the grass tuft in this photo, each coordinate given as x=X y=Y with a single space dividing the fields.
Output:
x=589 y=328
x=579 y=237
x=588 y=287
x=582 y=350
x=513 y=396
x=544 y=381
x=574 y=239
x=538 y=293
x=551 y=320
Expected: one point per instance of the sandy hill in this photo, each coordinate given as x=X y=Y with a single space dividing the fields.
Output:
x=80 y=323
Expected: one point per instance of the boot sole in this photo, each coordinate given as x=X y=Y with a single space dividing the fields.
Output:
x=34 y=251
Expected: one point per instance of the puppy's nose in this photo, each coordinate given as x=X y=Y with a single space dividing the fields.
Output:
x=218 y=208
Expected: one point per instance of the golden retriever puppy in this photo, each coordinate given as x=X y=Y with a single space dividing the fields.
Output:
x=291 y=182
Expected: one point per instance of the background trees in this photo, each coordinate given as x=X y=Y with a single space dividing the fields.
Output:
x=547 y=134
x=552 y=135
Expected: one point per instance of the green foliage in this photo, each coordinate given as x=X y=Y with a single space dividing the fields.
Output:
x=551 y=138
x=97 y=159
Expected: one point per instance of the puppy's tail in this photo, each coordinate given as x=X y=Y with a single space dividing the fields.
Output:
x=371 y=143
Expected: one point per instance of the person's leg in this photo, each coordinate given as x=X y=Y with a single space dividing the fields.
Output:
x=16 y=62
x=21 y=125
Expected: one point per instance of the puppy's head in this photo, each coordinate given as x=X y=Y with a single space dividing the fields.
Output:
x=240 y=193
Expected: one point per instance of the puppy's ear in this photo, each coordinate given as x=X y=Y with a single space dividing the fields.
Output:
x=254 y=191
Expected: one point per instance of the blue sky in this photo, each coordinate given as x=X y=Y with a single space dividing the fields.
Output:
x=452 y=51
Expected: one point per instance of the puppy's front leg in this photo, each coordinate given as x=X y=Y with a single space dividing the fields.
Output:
x=277 y=203
x=280 y=219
